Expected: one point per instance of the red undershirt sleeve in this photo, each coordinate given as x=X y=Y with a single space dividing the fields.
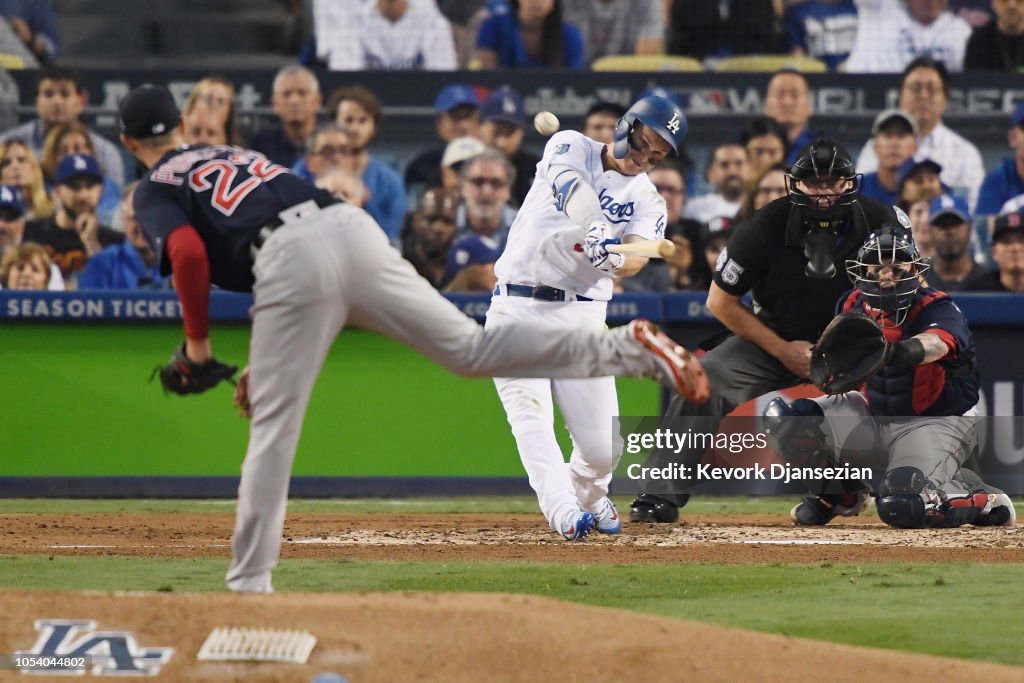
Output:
x=191 y=268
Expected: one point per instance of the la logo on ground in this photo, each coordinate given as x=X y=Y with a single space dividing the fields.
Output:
x=112 y=653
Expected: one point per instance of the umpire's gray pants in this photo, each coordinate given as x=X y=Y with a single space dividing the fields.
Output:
x=334 y=267
x=738 y=371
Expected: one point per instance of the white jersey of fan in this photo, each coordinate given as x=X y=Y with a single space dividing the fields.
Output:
x=546 y=248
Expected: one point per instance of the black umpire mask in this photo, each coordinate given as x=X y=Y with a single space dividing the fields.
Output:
x=823 y=164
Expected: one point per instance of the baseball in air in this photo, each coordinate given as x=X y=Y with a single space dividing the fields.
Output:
x=546 y=123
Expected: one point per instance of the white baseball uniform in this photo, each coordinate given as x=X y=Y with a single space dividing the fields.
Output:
x=545 y=249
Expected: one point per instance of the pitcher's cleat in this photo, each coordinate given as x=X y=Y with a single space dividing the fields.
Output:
x=679 y=366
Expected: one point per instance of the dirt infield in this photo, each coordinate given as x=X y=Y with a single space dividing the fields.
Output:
x=398 y=637
x=740 y=539
x=395 y=638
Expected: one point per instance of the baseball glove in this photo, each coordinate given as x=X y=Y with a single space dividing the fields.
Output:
x=182 y=376
x=851 y=349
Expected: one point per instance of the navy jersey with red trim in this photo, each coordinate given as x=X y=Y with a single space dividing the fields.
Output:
x=227 y=194
x=949 y=386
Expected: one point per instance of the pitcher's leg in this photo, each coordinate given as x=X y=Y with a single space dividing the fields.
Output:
x=300 y=306
x=396 y=301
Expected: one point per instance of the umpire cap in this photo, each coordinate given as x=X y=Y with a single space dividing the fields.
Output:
x=148 y=111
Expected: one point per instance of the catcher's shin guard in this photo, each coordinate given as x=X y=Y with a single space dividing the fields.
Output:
x=899 y=501
x=794 y=431
x=908 y=501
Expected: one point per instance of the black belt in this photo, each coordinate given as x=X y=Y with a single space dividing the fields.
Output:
x=539 y=292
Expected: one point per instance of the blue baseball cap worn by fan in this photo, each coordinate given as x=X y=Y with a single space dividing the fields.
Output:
x=660 y=115
x=457 y=95
x=77 y=166
x=10 y=200
x=470 y=251
x=949 y=205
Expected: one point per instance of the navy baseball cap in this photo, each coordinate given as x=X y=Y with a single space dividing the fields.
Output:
x=504 y=104
x=452 y=96
x=10 y=198
x=1006 y=224
x=77 y=166
x=908 y=167
x=949 y=205
x=470 y=251
x=1018 y=114
x=148 y=111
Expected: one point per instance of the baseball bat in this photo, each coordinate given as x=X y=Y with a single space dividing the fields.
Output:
x=648 y=248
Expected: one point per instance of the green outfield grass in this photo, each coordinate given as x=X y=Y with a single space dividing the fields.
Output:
x=961 y=610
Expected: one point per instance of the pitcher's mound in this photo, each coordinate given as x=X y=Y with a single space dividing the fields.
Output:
x=471 y=637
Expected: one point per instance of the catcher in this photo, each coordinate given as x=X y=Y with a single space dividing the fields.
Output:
x=897 y=365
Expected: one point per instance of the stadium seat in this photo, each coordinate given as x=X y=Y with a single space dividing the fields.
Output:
x=12 y=62
x=770 y=63
x=646 y=63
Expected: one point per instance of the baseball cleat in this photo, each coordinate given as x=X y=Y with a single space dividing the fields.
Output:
x=608 y=521
x=677 y=364
x=820 y=510
x=648 y=509
x=577 y=525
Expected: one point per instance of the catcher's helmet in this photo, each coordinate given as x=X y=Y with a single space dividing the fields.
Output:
x=657 y=113
x=893 y=292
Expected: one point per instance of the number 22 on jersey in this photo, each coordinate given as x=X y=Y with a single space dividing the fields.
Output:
x=220 y=174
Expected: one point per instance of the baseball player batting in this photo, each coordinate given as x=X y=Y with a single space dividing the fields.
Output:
x=557 y=268
x=227 y=216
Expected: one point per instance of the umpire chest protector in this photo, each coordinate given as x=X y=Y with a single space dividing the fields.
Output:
x=769 y=247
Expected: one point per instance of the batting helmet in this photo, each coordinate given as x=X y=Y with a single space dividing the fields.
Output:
x=893 y=246
x=658 y=114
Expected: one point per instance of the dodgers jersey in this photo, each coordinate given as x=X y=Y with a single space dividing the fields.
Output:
x=546 y=248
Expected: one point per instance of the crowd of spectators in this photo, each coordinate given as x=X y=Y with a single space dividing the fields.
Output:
x=63 y=188
x=857 y=36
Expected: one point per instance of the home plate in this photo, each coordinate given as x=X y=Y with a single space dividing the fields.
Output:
x=800 y=541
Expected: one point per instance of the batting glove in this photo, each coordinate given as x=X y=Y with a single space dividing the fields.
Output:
x=595 y=245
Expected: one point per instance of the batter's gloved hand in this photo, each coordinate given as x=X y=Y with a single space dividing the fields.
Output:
x=182 y=376
x=851 y=349
x=595 y=245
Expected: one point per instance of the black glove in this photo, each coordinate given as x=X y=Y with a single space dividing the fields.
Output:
x=851 y=349
x=182 y=376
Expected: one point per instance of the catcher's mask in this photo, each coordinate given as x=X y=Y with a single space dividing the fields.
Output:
x=821 y=184
x=888 y=270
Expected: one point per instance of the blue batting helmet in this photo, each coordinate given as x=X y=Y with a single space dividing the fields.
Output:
x=658 y=114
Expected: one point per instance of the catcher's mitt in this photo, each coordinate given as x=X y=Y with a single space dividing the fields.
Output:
x=851 y=349
x=182 y=376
